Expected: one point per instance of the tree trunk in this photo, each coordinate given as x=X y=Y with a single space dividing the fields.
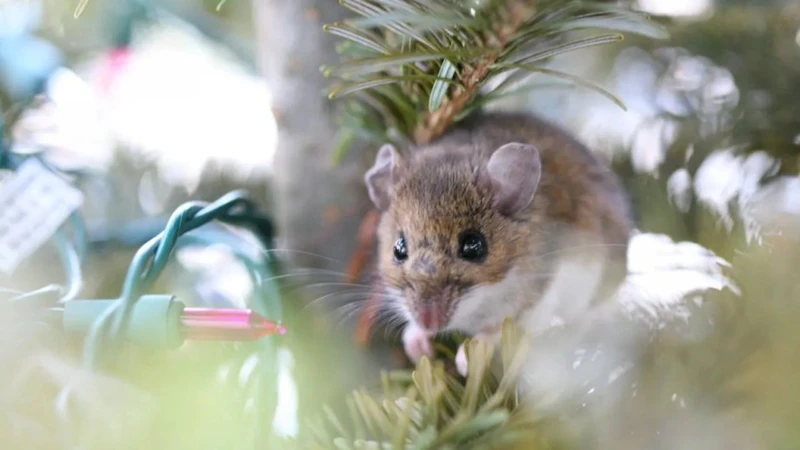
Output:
x=319 y=204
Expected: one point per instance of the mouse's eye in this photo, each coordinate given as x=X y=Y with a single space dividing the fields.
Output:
x=400 y=250
x=472 y=246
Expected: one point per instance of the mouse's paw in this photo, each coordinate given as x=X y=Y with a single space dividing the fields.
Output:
x=461 y=361
x=416 y=343
x=462 y=364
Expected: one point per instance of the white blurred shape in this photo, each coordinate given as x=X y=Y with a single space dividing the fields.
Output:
x=222 y=272
x=676 y=8
x=717 y=183
x=19 y=16
x=679 y=189
x=68 y=125
x=687 y=71
x=650 y=144
x=763 y=205
x=663 y=273
x=755 y=168
x=154 y=193
x=286 y=423
x=181 y=102
x=719 y=92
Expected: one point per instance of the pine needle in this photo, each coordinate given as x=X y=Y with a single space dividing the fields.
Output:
x=427 y=408
x=437 y=56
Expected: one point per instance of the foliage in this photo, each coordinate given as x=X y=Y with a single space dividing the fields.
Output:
x=761 y=51
x=414 y=67
x=428 y=408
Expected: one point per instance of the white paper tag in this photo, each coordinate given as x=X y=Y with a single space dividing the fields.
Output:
x=34 y=204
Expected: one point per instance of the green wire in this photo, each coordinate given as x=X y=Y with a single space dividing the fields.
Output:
x=151 y=259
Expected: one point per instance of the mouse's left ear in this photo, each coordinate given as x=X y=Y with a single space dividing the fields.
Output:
x=382 y=176
x=513 y=173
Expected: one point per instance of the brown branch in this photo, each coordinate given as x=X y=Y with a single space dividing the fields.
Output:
x=436 y=123
x=367 y=233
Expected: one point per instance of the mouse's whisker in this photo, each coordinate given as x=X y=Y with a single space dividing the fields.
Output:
x=333 y=293
x=392 y=319
x=386 y=321
x=393 y=327
x=537 y=276
x=577 y=247
x=354 y=309
x=346 y=311
x=312 y=286
x=295 y=277
x=318 y=270
x=335 y=297
x=351 y=309
x=304 y=253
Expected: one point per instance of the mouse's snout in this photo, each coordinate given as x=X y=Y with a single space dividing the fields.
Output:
x=432 y=307
x=430 y=317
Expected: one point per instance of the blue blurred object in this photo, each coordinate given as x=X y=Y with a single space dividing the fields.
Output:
x=26 y=63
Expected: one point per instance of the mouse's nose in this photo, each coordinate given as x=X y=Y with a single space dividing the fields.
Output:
x=429 y=317
x=432 y=303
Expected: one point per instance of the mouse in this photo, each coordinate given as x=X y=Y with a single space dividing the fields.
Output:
x=505 y=215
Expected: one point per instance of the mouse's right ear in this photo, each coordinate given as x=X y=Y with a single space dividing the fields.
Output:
x=513 y=173
x=382 y=176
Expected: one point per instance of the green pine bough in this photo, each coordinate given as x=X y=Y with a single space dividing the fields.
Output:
x=412 y=68
x=430 y=409
x=409 y=70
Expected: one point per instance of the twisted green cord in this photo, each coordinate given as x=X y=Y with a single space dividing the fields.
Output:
x=152 y=257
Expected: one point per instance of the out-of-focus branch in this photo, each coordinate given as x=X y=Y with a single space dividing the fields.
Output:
x=319 y=203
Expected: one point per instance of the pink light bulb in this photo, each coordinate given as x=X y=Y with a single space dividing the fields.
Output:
x=227 y=325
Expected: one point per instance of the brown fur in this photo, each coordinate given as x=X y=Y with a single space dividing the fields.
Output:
x=438 y=195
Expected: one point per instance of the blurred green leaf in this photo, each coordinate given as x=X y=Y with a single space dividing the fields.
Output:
x=564 y=75
x=371 y=65
x=627 y=23
x=480 y=424
x=446 y=73
x=346 y=31
x=417 y=22
x=359 y=86
x=569 y=47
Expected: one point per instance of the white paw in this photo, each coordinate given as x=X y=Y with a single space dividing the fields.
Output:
x=416 y=343
x=461 y=360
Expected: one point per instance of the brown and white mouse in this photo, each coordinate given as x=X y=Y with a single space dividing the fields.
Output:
x=506 y=215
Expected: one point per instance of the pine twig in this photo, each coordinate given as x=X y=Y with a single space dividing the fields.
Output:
x=435 y=123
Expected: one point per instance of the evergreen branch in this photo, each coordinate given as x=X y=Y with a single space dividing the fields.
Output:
x=428 y=408
x=433 y=124
x=422 y=65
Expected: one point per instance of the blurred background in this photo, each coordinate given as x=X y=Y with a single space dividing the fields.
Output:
x=149 y=104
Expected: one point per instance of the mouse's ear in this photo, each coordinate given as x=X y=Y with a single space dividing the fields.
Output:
x=513 y=173
x=382 y=176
